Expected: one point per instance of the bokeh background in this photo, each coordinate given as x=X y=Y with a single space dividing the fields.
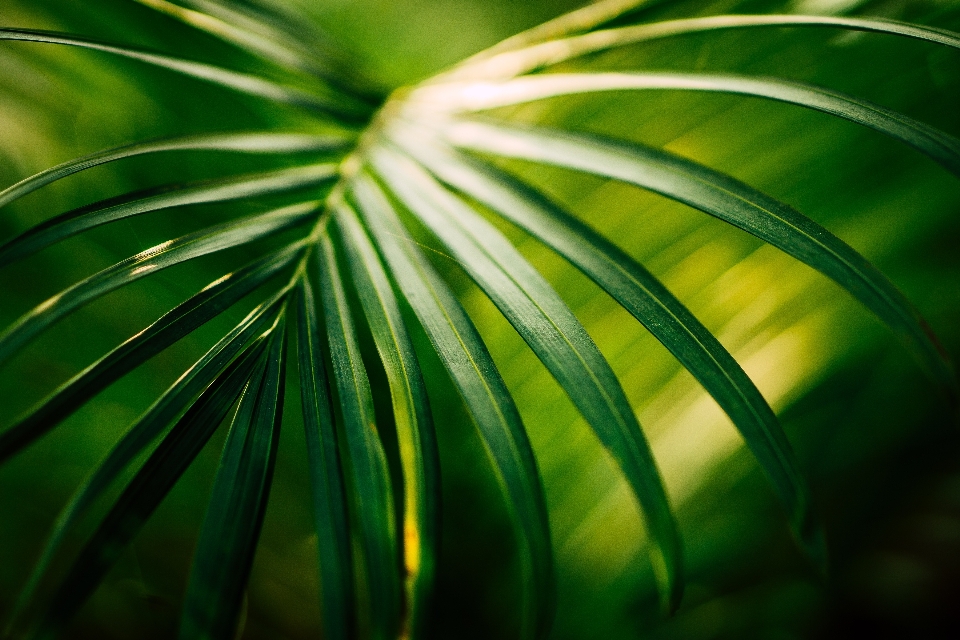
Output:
x=878 y=445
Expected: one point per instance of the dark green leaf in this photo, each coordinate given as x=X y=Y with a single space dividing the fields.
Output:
x=329 y=507
x=729 y=200
x=173 y=325
x=254 y=142
x=654 y=306
x=73 y=222
x=143 y=494
x=167 y=254
x=490 y=405
x=238 y=503
x=559 y=340
x=365 y=462
x=150 y=425
x=415 y=431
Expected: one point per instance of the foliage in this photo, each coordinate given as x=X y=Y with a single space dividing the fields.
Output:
x=345 y=260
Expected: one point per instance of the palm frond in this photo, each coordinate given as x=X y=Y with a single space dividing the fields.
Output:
x=383 y=182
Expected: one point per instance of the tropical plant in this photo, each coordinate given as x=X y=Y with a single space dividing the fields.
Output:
x=366 y=211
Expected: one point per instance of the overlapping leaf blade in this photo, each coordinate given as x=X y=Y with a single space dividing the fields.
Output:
x=164 y=255
x=263 y=142
x=73 y=222
x=326 y=484
x=729 y=200
x=419 y=457
x=477 y=96
x=340 y=106
x=366 y=462
x=238 y=503
x=143 y=494
x=640 y=293
x=514 y=63
x=489 y=402
x=148 y=427
x=173 y=325
x=558 y=339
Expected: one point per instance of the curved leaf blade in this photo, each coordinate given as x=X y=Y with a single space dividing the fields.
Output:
x=465 y=356
x=173 y=325
x=640 y=293
x=514 y=63
x=79 y=220
x=329 y=505
x=146 y=490
x=366 y=462
x=167 y=254
x=419 y=456
x=336 y=105
x=252 y=142
x=147 y=428
x=560 y=342
x=732 y=201
x=477 y=96
x=238 y=503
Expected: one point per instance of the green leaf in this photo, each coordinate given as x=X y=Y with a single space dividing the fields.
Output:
x=329 y=507
x=415 y=430
x=477 y=96
x=729 y=200
x=167 y=254
x=238 y=503
x=514 y=63
x=336 y=105
x=466 y=358
x=143 y=494
x=73 y=222
x=366 y=462
x=147 y=428
x=559 y=340
x=640 y=293
x=252 y=142
x=173 y=325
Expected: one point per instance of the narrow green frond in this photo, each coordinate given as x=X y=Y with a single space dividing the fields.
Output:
x=559 y=340
x=326 y=484
x=463 y=353
x=729 y=200
x=336 y=105
x=87 y=217
x=415 y=429
x=167 y=254
x=148 y=427
x=238 y=503
x=173 y=325
x=143 y=494
x=478 y=96
x=366 y=462
x=254 y=143
x=640 y=293
x=515 y=63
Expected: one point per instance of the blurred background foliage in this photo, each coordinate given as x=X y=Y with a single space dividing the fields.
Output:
x=879 y=447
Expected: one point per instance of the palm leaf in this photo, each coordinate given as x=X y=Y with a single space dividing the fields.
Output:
x=421 y=152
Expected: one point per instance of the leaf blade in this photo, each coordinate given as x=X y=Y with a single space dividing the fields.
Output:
x=465 y=356
x=419 y=456
x=559 y=340
x=366 y=462
x=734 y=202
x=238 y=502
x=164 y=255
